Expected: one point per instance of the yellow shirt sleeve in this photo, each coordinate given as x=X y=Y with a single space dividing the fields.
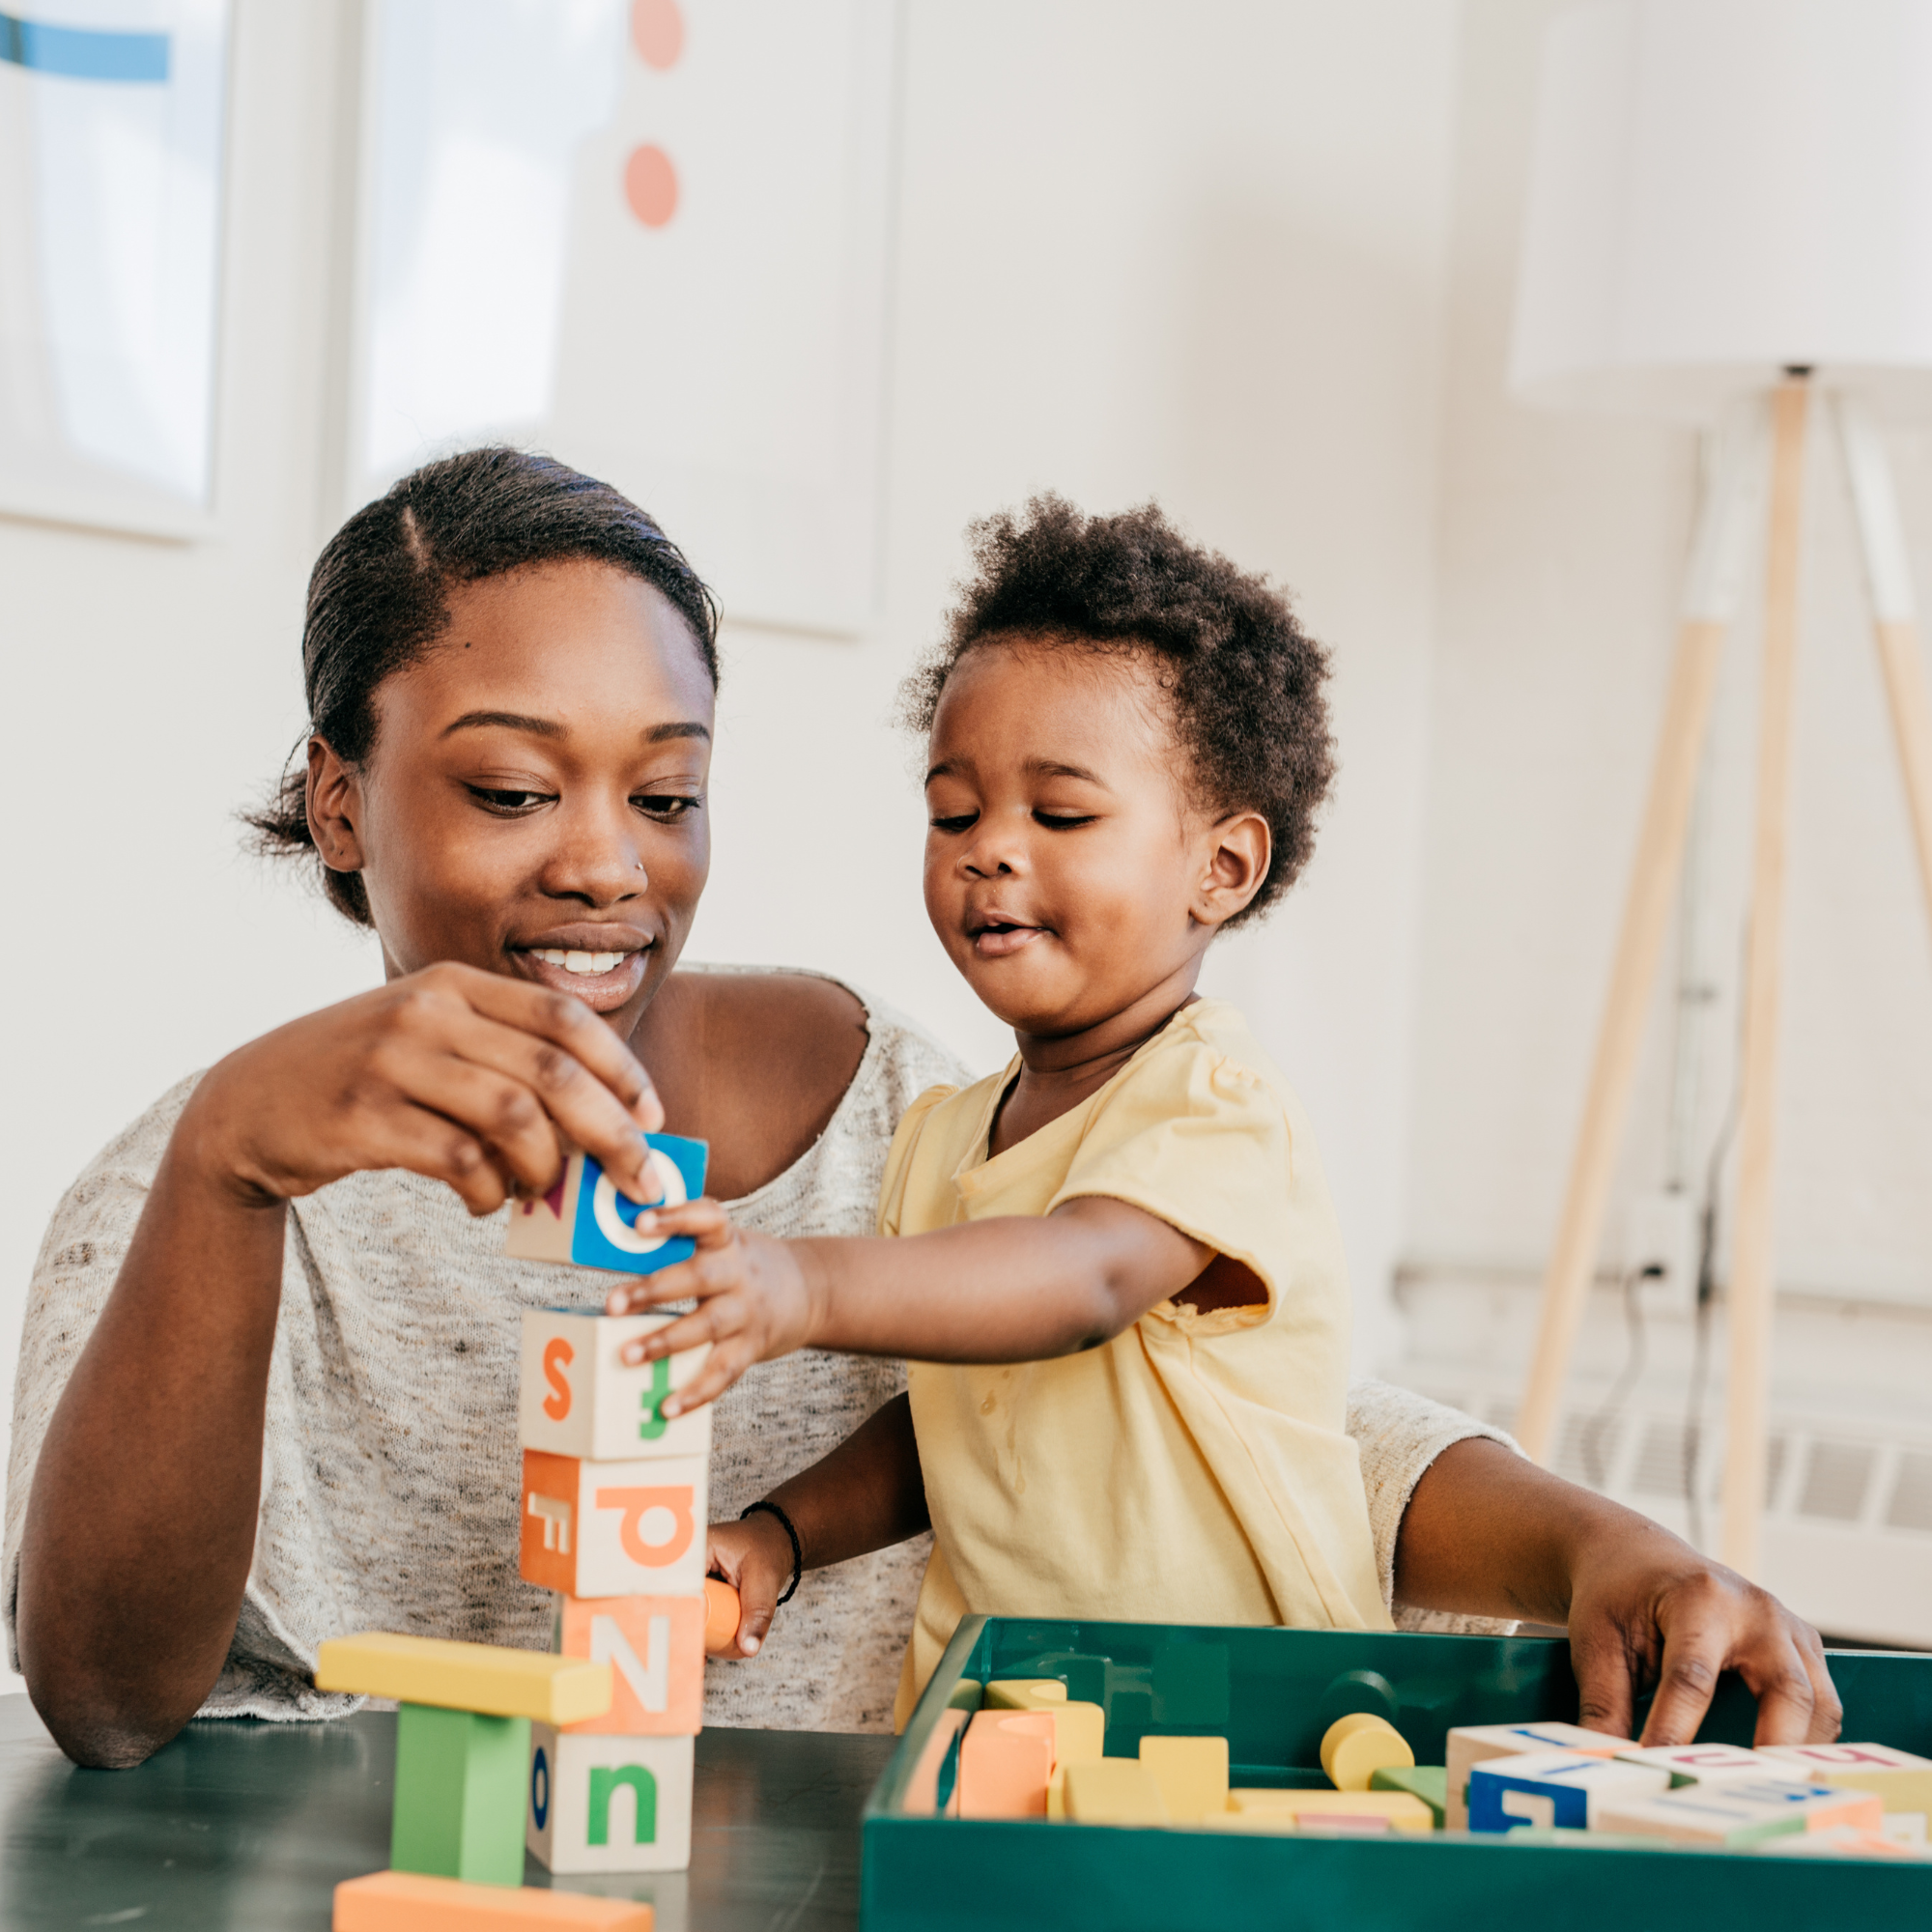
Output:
x=898 y=1156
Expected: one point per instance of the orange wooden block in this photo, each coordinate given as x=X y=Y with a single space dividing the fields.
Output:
x=614 y=1529
x=1005 y=1765
x=407 y=1902
x=722 y=1614
x=655 y=1648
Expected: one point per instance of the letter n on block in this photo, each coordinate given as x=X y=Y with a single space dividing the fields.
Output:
x=655 y=1648
x=614 y=1529
x=608 y=1804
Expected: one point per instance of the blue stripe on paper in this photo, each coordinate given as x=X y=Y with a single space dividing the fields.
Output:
x=83 y=53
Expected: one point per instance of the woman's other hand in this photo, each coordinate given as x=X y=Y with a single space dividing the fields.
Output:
x=754 y=1300
x=467 y=1077
x=754 y=1555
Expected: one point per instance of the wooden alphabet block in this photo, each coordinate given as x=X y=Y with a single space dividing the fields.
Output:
x=1470 y=1745
x=1114 y=1791
x=394 y=1901
x=1903 y=1793
x=481 y=1677
x=1192 y=1773
x=1429 y=1782
x=921 y=1794
x=1842 y=1841
x=1739 y=1811
x=655 y=1648
x=1561 y=1788
x=1005 y=1764
x=584 y=1220
x=458 y=1795
x=1813 y=1759
x=608 y=1804
x=1079 y=1731
x=577 y=1397
x=1398 y=1810
x=1356 y=1747
x=1711 y=1764
x=1024 y=1694
x=614 y=1530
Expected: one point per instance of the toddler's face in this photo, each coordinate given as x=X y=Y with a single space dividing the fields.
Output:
x=1064 y=865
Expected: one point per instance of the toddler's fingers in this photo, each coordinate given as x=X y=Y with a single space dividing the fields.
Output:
x=640 y=1293
x=723 y=1366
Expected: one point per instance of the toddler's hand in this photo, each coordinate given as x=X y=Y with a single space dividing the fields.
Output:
x=755 y=1558
x=752 y=1301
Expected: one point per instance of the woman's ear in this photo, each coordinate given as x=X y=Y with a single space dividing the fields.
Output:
x=335 y=808
x=1239 y=848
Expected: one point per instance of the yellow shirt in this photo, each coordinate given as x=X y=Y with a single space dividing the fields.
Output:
x=1197 y=1468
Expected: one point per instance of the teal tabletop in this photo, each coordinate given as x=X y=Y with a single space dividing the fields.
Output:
x=249 y=1825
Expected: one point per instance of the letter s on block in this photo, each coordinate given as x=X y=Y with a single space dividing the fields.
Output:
x=557 y=1357
x=633 y=1503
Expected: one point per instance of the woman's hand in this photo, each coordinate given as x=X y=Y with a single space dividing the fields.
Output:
x=754 y=1300
x=467 y=1077
x=755 y=1558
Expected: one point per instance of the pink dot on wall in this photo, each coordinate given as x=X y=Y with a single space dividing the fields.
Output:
x=657 y=32
x=650 y=185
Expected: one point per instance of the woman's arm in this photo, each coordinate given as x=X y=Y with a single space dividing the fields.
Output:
x=866 y=1494
x=1487 y=1533
x=140 y=1524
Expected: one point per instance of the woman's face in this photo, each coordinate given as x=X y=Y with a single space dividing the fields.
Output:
x=534 y=805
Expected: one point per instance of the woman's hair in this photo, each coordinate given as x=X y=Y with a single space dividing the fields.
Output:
x=377 y=598
x=1243 y=680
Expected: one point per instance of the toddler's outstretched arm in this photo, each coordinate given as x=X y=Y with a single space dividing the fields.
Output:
x=1009 y=1289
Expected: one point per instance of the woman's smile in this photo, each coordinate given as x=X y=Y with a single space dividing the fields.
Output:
x=603 y=971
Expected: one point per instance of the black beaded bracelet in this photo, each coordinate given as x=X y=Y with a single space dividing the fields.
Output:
x=797 y=1547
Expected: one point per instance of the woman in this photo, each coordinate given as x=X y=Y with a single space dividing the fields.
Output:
x=268 y=1376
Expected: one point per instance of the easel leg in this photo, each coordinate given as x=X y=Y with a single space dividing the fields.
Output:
x=1748 y=1388
x=1724 y=528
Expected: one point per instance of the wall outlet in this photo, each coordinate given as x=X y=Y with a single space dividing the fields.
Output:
x=1661 y=1233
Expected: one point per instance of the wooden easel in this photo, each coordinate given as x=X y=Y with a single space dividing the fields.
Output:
x=1731 y=512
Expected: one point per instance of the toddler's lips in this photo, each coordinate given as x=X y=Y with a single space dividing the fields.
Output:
x=998 y=942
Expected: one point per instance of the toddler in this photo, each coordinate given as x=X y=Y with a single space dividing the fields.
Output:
x=1114 y=1265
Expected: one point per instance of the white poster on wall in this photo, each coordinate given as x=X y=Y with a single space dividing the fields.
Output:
x=112 y=126
x=650 y=239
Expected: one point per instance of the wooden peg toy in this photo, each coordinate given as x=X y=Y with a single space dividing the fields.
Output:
x=1006 y=1763
x=1560 y=1788
x=394 y=1901
x=1429 y=1782
x=608 y=1805
x=722 y=1614
x=655 y=1648
x=1470 y=1745
x=1192 y=1773
x=614 y=1529
x=1356 y=1747
x=1114 y=1791
x=579 y=1397
x=585 y=1220
x=478 y=1677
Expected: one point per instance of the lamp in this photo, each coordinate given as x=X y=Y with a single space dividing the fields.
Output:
x=1731 y=211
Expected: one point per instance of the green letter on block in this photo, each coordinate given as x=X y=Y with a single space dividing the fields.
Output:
x=460 y=1795
x=643 y=1786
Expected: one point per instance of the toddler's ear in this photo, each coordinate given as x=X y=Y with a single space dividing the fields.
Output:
x=1239 y=848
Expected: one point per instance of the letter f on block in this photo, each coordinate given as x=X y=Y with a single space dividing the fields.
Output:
x=650 y=1680
x=555 y=1516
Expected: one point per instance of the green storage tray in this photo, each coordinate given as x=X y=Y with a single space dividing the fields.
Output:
x=1272 y=1693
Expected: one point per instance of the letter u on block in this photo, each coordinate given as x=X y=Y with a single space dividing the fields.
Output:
x=643 y=1788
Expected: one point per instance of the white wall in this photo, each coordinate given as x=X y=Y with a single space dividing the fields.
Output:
x=1562 y=542
x=1195 y=255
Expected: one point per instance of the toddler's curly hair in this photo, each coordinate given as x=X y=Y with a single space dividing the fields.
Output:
x=1243 y=680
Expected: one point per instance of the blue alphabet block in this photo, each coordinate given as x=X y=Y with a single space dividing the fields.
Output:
x=584 y=1219
x=1564 y=1789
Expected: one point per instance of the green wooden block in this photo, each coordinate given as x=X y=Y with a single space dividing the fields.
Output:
x=1429 y=1782
x=460 y=1795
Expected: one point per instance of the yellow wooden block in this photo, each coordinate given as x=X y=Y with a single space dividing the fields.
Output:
x=1277 y=1823
x=1024 y=1694
x=1056 y=1793
x=1114 y=1791
x=1359 y=1745
x=1901 y=1790
x=1192 y=1773
x=481 y=1677
x=1080 y=1732
x=1404 y=1812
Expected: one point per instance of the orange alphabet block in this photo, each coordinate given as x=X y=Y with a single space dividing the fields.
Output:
x=394 y=1901
x=1005 y=1765
x=614 y=1529
x=655 y=1648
